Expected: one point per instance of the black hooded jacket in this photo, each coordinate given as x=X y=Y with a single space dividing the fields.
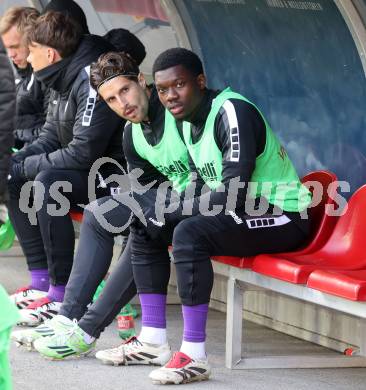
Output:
x=79 y=128
x=7 y=110
x=72 y=9
x=31 y=106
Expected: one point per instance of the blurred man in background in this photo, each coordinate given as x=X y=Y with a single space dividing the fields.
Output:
x=31 y=95
x=7 y=111
x=79 y=129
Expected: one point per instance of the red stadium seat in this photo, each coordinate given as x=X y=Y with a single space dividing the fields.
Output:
x=344 y=249
x=346 y=284
x=240 y=262
x=321 y=224
x=76 y=216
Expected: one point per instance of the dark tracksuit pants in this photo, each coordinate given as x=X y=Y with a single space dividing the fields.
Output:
x=50 y=242
x=92 y=260
x=91 y=263
x=197 y=238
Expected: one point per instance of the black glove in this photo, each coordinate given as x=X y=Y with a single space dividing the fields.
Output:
x=15 y=158
x=16 y=172
x=26 y=135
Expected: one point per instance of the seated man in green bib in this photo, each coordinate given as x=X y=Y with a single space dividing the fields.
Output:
x=148 y=138
x=254 y=205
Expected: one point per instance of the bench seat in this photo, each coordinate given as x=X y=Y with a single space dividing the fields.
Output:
x=346 y=284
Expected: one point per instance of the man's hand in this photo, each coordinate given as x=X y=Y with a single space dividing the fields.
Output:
x=16 y=172
x=16 y=157
x=26 y=135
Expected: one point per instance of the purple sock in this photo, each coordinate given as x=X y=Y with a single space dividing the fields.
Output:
x=195 y=318
x=153 y=308
x=40 y=279
x=56 y=293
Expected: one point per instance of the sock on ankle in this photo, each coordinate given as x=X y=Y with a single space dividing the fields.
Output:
x=88 y=339
x=40 y=279
x=56 y=293
x=194 y=350
x=194 y=334
x=152 y=335
x=153 y=310
x=86 y=336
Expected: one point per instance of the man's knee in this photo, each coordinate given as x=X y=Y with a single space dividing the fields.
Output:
x=51 y=187
x=183 y=230
x=89 y=213
x=92 y=207
x=108 y=215
x=41 y=186
x=184 y=241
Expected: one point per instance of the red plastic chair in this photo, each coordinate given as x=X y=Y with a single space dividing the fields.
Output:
x=321 y=224
x=346 y=284
x=240 y=262
x=344 y=250
x=76 y=216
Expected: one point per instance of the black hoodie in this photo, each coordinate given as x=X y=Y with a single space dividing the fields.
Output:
x=79 y=128
x=7 y=111
x=72 y=9
x=31 y=106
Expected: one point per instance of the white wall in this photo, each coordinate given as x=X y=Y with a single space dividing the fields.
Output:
x=5 y=4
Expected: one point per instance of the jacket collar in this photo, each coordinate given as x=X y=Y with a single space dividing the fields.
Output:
x=53 y=76
x=199 y=116
x=24 y=73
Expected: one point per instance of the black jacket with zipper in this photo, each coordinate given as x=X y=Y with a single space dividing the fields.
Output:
x=7 y=111
x=79 y=128
x=31 y=107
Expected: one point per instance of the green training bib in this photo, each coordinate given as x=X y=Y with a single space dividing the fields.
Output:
x=169 y=156
x=274 y=176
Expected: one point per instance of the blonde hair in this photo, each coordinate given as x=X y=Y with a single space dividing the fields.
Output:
x=21 y=17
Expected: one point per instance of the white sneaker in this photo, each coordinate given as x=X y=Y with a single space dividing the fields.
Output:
x=136 y=352
x=24 y=296
x=181 y=369
x=40 y=310
x=66 y=344
x=27 y=337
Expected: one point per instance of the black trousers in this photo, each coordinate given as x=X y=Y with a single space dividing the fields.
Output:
x=91 y=263
x=197 y=238
x=50 y=242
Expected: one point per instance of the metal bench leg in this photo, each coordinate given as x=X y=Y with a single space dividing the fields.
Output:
x=234 y=323
x=362 y=327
